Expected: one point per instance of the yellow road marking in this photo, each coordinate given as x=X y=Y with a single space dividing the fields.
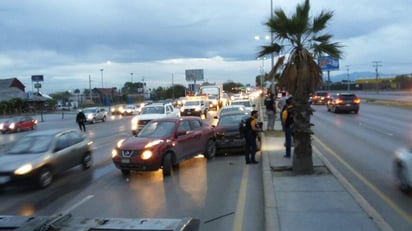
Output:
x=385 y=198
x=241 y=200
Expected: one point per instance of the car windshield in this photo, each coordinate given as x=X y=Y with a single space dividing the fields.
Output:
x=230 y=120
x=31 y=144
x=244 y=103
x=157 y=129
x=231 y=109
x=347 y=97
x=153 y=110
x=192 y=103
x=86 y=111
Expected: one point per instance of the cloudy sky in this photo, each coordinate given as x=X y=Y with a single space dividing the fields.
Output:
x=70 y=41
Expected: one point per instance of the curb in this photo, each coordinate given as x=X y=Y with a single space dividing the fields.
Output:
x=271 y=215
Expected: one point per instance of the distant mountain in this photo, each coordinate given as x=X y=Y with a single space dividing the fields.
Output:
x=358 y=75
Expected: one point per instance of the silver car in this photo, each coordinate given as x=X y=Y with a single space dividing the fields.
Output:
x=39 y=156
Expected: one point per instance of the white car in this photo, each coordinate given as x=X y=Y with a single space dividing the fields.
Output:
x=403 y=168
x=130 y=109
x=194 y=108
x=94 y=114
x=153 y=111
x=245 y=102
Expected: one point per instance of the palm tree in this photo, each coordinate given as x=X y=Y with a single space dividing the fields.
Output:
x=301 y=75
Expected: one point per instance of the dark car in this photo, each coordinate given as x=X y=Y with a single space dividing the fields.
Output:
x=163 y=144
x=38 y=157
x=18 y=124
x=319 y=97
x=228 y=136
x=343 y=102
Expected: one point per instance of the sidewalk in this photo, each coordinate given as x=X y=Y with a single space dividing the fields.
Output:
x=321 y=201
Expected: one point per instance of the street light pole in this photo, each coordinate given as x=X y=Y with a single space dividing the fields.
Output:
x=272 y=56
x=101 y=70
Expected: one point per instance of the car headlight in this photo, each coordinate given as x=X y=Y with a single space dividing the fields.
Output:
x=12 y=126
x=182 y=109
x=115 y=153
x=1 y=126
x=197 y=108
x=146 y=155
x=89 y=116
x=24 y=169
x=134 y=122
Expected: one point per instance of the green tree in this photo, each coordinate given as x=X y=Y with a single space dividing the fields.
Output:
x=301 y=74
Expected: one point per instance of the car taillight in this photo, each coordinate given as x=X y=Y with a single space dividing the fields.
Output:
x=357 y=101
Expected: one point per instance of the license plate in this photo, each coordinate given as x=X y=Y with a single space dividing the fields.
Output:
x=348 y=104
x=189 y=113
x=4 y=179
x=125 y=161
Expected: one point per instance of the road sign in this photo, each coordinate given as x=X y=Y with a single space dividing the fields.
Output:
x=328 y=63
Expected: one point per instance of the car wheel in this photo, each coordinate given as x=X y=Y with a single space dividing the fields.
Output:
x=125 y=172
x=87 y=161
x=44 y=178
x=34 y=127
x=167 y=164
x=18 y=129
x=356 y=111
x=210 y=149
x=94 y=121
x=104 y=119
x=401 y=173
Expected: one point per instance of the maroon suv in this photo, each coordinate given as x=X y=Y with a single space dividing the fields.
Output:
x=163 y=144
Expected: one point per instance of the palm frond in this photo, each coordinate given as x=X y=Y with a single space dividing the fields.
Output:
x=320 y=21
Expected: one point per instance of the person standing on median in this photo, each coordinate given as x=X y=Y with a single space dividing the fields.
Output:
x=250 y=138
x=270 y=104
x=81 y=120
x=287 y=124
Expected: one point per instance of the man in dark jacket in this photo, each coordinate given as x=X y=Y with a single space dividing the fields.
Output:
x=270 y=104
x=81 y=120
x=250 y=138
x=287 y=124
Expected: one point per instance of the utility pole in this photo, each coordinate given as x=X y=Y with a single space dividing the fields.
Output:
x=173 y=88
x=347 y=74
x=273 y=89
x=90 y=88
x=376 y=65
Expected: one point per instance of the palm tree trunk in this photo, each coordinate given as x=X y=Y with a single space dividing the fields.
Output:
x=302 y=158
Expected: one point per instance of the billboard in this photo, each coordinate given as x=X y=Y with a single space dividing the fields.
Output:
x=37 y=78
x=328 y=63
x=194 y=75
